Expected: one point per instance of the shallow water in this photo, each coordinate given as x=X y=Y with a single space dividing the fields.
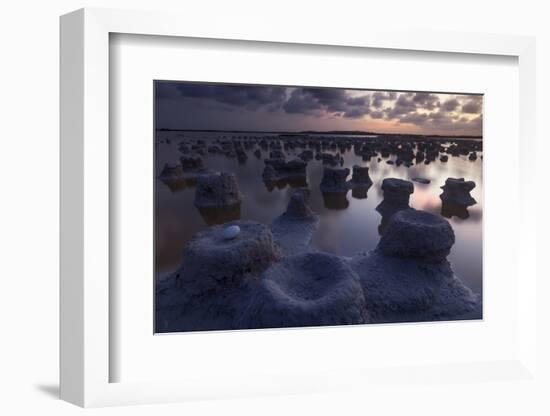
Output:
x=348 y=225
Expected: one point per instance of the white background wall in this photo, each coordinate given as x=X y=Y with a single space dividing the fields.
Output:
x=29 y=185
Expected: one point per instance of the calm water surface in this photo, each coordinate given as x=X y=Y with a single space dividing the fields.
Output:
x=348 y=225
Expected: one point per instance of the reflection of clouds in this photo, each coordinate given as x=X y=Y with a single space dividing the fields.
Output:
x=328 y=236
x=424 y=198
x=476 y=213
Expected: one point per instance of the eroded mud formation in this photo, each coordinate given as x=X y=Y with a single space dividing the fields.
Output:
x=457 y=192
x=334 y=180
x=279 y=169
x=254 y=276
x=244 y=274
x=217 y=190
x=396 y=198
x=360 y=178
x=295 y=227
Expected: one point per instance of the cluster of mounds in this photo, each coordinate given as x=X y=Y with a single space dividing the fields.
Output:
x=244 y=275
x=185 y=173
x=277 y=169
x=334 y=185
x=335 y=179
x=329 y=159
x=280 y=172
x=455 y=198
x=287 y=156
x=398 y=150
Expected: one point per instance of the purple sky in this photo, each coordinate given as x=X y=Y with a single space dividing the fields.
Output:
x=183 y=105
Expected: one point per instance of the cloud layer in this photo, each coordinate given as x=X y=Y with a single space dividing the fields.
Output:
x=384 y=111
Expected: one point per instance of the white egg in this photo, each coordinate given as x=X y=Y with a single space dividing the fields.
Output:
x=229 y=233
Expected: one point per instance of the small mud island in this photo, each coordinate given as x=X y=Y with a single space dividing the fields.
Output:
x=245 y=275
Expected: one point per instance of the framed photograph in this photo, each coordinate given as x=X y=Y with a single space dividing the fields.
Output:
x=280 y=214
x=254 y=228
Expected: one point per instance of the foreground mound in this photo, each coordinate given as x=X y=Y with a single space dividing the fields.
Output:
x=310 y=289
x=408 y=290
x=244 y=274
x=408 y=277
x=213 y=282
x=417 y=234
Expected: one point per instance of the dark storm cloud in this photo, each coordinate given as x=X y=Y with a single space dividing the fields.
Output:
x=336 y=102
x=247 y=106
x=356 y=112
x=247 y=96
x=443 y=121
x=378 y=98
x=410 y=102
x=426 y=100
x=333 y=99
x=300 y=103
x=428 y=111
x=414 y=118
x=165 y=90
x=377 y=114
x=472 y=107
x=405 y=104
x=438 y=115
x=451 y=105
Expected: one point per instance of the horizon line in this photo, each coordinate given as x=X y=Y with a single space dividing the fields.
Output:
x=348 y=132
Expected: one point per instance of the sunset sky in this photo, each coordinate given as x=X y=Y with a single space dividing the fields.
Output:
x=181 y=105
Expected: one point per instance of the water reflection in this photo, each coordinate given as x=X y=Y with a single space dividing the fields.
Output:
x=335 y=200
x=449 y=210
x=176 y=185
x=220 y=215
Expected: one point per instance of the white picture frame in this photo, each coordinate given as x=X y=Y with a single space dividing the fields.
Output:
x=85 y=220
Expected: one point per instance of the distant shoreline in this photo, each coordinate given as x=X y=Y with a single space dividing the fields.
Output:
x=331 y=132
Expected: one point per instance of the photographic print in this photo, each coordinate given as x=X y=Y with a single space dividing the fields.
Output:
x=292 y=206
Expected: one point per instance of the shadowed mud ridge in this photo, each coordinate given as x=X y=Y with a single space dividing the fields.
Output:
x=293 y=229
x=269 y=277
